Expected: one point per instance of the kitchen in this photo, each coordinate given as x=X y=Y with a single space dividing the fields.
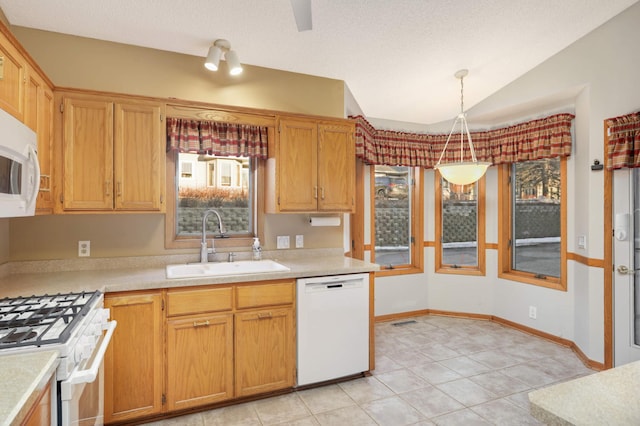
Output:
x=577 y=315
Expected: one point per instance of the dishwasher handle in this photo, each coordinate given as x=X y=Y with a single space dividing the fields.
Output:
x=335 y=285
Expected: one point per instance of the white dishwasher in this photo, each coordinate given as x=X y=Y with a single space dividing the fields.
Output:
x=332 y=327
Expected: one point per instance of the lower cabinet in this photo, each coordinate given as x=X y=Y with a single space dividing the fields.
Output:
x=183 y=348
x=199 y=361
x=134 y=359
x=264 y=351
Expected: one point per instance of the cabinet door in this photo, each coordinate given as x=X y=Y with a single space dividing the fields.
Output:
x=88 y=155
x=296 y=160
x=138 y=157
x=39 y=106
x=336 y=168
x=134 y=362
x=265 y=351
x=12 y=79
x=199 y=361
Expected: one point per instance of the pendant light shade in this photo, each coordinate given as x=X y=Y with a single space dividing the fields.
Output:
x=461 y=172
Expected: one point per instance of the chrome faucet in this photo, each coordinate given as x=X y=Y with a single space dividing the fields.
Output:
x=204 y=250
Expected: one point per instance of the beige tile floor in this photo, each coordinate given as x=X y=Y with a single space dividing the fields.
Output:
x=436 y=370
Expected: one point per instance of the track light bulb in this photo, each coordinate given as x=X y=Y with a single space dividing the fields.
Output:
x=234 y=62
x=213 y=58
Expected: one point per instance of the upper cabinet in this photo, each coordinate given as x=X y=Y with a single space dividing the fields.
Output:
x=38 y=115
x=112 y=155
x=12 y=78
x=311 y=167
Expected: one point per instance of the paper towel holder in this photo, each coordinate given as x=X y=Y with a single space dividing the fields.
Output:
x=324 y=220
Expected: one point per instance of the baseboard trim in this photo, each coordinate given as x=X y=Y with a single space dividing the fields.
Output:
x=594 y=365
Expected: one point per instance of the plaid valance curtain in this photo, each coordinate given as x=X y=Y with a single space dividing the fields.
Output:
x=542 y=138
x=216 y=138
x=623 y=148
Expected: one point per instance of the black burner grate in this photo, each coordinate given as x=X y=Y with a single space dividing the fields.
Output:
x=25 y=321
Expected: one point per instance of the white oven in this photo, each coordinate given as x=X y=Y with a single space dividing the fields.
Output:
x=19 y=168
x=77 y=326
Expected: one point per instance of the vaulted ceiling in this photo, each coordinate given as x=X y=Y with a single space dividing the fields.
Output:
x=398 y=57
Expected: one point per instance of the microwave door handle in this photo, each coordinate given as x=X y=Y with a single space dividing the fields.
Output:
x=33 y=154
x=90 y=374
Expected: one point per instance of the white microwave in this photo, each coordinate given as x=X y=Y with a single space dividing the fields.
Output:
x=19 y=168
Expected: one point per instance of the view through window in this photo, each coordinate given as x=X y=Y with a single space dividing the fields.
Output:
x=392 y=220
x=221 y=183
x=459 y=224
x=536 y=217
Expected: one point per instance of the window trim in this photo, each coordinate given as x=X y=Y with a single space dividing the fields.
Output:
x=174 y=242
x=417 y=226
x=480 y=268
x=505 y=229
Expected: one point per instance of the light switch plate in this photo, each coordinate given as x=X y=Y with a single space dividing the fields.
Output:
x=582 y=241
x=299 y=241
x=282 y=242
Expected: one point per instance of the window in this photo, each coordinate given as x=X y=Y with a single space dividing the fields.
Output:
x=186 y=168
x=227 y=184
x=533 y=239
x=460 y=234
x=397 y=221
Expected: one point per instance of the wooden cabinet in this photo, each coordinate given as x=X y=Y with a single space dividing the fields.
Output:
x=40 y=413
x=199 y=347
x=12 y=78
x=39 y=104
x=264 y=338
x=220 y=342
x=134 y=359
x=313 y=167
x=113 y=155
x=264 y=351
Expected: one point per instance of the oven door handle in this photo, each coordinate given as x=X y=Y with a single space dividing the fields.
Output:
x=90 y=374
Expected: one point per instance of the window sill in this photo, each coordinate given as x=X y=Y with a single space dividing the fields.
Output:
x=399 y=270
x=523 y=277
x=463 y=270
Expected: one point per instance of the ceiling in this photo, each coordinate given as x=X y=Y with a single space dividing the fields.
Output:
x=398 y=57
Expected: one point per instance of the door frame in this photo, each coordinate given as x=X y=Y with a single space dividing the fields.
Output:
x=608 y=257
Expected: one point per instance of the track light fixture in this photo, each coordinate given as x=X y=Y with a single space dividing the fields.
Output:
x=216 y=50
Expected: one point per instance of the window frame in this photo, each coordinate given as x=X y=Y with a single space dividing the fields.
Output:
x=480 y=268
x=417 y=226
x=505 y=230
x=172 y=241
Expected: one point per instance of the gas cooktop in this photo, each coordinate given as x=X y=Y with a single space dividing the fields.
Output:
x=42 y=320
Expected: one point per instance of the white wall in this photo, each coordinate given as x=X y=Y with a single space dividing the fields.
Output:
x=597 y=78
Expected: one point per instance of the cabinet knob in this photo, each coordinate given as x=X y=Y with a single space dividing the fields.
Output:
x=315 y=192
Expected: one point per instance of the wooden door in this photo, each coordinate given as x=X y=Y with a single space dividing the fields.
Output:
x=296 y=162
x=134 y=360
x=12 y=79
x=88 y=154
x=265 y=351
x=138 y=157
x=336 y=168
x=199 y=360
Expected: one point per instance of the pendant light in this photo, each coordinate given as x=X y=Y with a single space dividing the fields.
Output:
x=461 y=172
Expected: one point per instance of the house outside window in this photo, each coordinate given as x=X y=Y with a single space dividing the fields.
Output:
x=221 y=183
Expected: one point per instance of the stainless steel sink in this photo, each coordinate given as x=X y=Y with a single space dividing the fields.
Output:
x=214 y=269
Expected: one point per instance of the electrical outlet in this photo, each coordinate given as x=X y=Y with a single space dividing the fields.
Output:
x=282 y=242
x=299 y=241
x=533 y=312
x=84 y=248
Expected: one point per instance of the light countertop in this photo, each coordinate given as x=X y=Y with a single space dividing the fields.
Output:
x=22 y=377
x=609 y=397
x=143 y=274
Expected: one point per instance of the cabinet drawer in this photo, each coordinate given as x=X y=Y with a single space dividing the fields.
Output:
x=277 y=293
x=198 y=300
